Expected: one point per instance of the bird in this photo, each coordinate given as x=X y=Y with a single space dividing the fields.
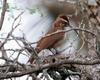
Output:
x=48 y=42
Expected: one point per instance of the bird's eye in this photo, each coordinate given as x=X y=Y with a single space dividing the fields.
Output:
x=63 y=24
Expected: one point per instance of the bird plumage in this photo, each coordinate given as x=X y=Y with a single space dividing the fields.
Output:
x=48 y=42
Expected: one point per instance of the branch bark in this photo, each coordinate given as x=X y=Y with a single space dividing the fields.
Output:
x=3 y=13
x=39 y=68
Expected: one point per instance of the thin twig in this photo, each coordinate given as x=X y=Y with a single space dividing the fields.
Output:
x=8 y=36
x=63 y=31
x=13 y=28
x=3 y=13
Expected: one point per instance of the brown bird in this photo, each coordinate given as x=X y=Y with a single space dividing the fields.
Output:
x=48 y=42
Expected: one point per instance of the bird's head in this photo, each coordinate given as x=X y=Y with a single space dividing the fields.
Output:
x=62 y=21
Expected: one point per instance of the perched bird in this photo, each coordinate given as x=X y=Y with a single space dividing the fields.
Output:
x=53 y=8
x=48 y=42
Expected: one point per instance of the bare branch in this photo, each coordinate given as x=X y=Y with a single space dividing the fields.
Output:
x=3 y=13
x=39 y=68
x=76 y=29
x=13 y=28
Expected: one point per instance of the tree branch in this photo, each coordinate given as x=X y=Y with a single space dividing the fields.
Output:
x=3 y=13
x=39 y=68
x=13 y=28
x=64 y=31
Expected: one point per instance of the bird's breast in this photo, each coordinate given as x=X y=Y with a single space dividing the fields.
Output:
x=68 y=43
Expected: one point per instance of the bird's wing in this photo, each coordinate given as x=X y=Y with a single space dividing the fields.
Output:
x=49 y=41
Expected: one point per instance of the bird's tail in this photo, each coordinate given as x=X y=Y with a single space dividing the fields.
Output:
x=31 y=59
x=33 y=56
